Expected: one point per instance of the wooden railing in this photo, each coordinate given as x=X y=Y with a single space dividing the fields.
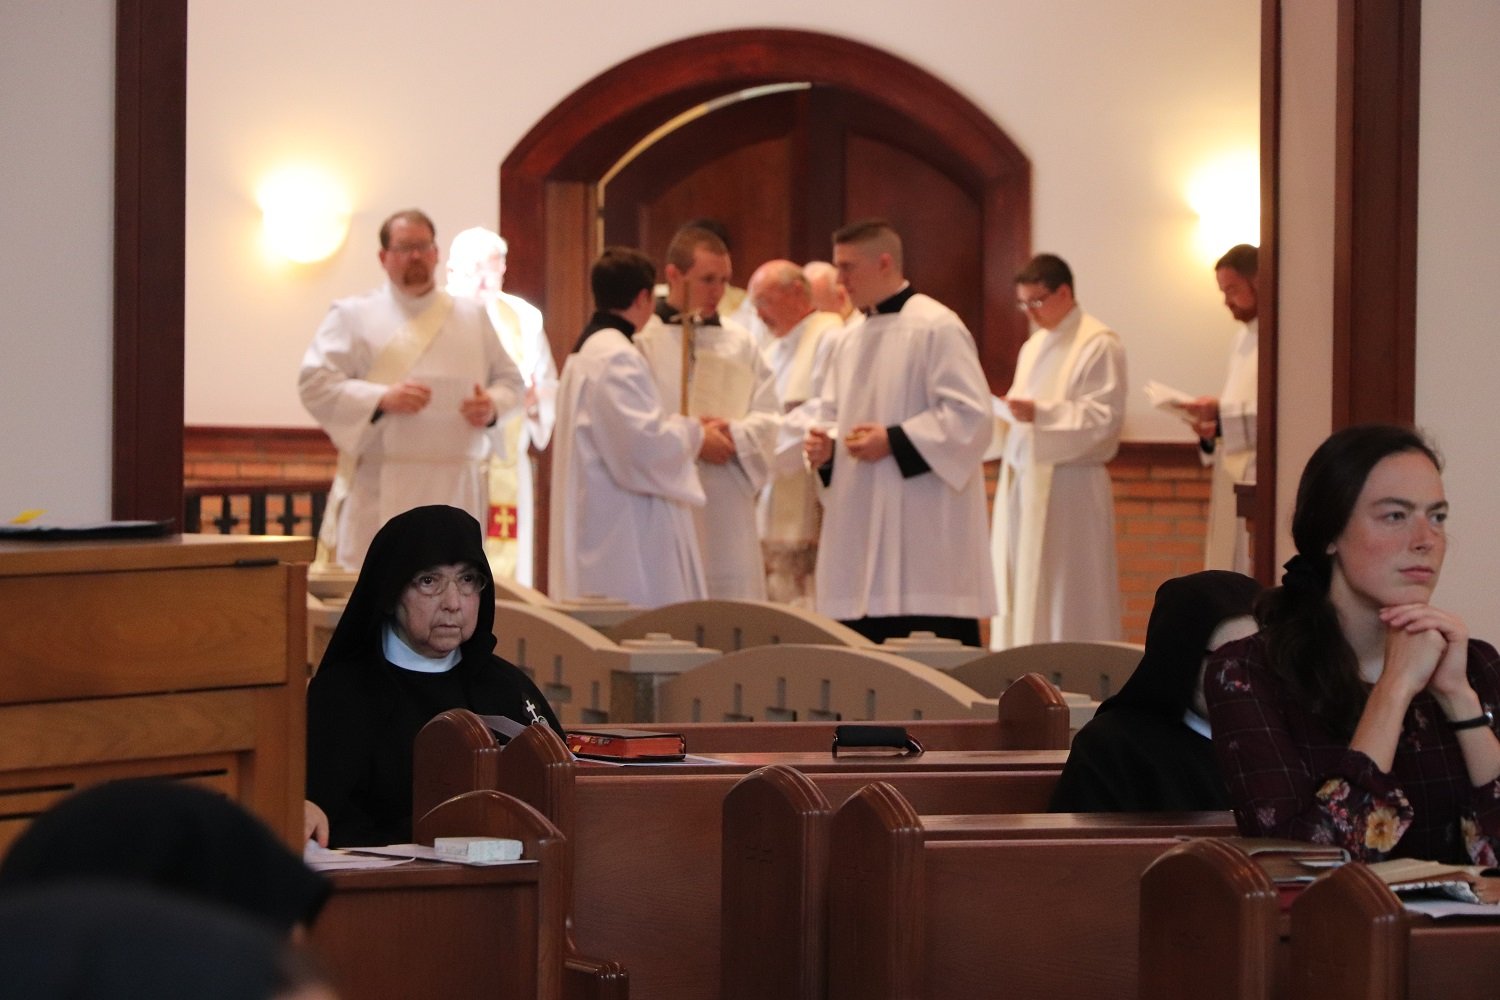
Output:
x=294 y=505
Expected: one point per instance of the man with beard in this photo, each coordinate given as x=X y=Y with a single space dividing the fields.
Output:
x=409 y=383
x=1226 y=425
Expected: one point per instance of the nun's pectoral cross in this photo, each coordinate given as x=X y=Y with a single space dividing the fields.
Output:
x=531 y=708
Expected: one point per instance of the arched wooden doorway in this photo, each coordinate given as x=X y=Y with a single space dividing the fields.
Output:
x=550 y=183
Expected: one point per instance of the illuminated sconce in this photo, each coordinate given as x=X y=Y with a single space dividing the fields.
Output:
x=304 y=213
x=1225 y=194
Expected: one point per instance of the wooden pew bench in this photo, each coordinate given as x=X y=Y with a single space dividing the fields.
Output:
x=645 y=842
x=1210 y=917
x=428 y=929
x=913 y=916
x=779 y=842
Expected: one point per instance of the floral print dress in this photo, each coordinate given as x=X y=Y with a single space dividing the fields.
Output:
x=1288 y=776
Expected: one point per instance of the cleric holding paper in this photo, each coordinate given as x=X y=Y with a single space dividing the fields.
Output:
x=1361 y=715
x=410 y=384
x=414 y=641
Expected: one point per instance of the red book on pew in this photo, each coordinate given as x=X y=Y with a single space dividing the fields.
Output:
x=626 y=745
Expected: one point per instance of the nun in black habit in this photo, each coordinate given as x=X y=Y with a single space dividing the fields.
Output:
x=415 y=640
x=1148 y=749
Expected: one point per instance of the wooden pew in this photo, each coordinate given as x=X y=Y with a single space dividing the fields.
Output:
x=1209 y=925
x=777 y=845
x=1351 y=937
x=1031 y=715
x=736 y=625
x=1097 y=669
x=645 y=843
x=432 y=929
x=913 y=916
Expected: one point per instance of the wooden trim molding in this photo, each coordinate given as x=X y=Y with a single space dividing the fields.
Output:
x=1263 y=538
x=1375 y=224
x=150 y=220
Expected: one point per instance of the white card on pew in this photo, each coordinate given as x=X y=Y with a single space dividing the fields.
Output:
x=477 y=850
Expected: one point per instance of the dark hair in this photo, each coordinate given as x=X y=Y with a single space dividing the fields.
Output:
x=1306 y=644
x=685 y=243
x=619 y=276
x=1243 y=259
x=874 y=231
x=1047 y=269
x=413 y=215
x=712 y=225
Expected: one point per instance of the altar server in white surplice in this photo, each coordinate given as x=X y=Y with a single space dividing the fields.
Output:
x=624 y=472
x=1054 y=533
x=726 y=379
x=902 y=425
x=476 y=269
x=789 y=513
x=411 y=385
x=1226 y=425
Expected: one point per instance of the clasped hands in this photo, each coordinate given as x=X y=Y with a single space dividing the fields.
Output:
x=718 y=443
x=1428 y=648
x=865 y=442
x=412 y=396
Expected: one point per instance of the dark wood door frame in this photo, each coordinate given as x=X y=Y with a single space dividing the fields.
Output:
x=549 y=182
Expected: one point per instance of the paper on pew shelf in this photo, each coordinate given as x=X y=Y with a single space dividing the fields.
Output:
x=420 y=852
x=323 y=859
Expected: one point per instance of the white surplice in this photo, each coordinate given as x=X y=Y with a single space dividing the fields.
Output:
x=1054 y=532
x=788 y=514
x=624 y=483
x=1233 y=458
x=732 y=562
x=442 y=459
x=521 y=330
x=892 y=545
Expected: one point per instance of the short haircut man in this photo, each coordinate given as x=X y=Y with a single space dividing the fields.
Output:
x=1054 y=530
x=903 y=539
x=1226 y=424
x=370 y=398
x=624 y=472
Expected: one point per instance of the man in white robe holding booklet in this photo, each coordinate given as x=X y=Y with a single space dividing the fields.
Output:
x=410 y=384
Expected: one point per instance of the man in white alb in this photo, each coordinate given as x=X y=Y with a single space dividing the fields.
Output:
x=1226 y=424
x=476 y=269
x=902 y=424
x=625 y=477
x=789 y=514
x=1054 y=532
x=409 y=383
x=829 y=294
x=726 y=378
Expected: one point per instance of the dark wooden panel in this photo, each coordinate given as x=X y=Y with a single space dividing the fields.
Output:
x=150 y=214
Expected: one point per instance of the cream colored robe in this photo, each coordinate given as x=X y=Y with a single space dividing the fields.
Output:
x=1054 y=530
x=1233 y=458
x=727 y=538
x=401 y=461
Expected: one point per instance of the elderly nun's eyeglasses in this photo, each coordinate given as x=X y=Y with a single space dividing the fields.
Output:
x=469 y=582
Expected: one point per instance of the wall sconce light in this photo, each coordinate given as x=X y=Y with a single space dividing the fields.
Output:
x=304 y=214
x=1225 y=194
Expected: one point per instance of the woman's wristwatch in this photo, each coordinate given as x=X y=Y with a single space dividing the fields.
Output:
x=1484 y=719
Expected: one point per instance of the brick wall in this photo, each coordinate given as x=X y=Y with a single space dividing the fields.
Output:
x=1161 y=497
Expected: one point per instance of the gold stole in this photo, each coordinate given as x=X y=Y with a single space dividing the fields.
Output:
x=395 y=360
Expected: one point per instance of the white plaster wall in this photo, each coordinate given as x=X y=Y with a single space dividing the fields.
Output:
x=1305 y=262
x=56 y=275
x=1457 y=345
x=1116 y=103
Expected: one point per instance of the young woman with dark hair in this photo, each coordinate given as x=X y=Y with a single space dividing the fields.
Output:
x=1361 y=715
